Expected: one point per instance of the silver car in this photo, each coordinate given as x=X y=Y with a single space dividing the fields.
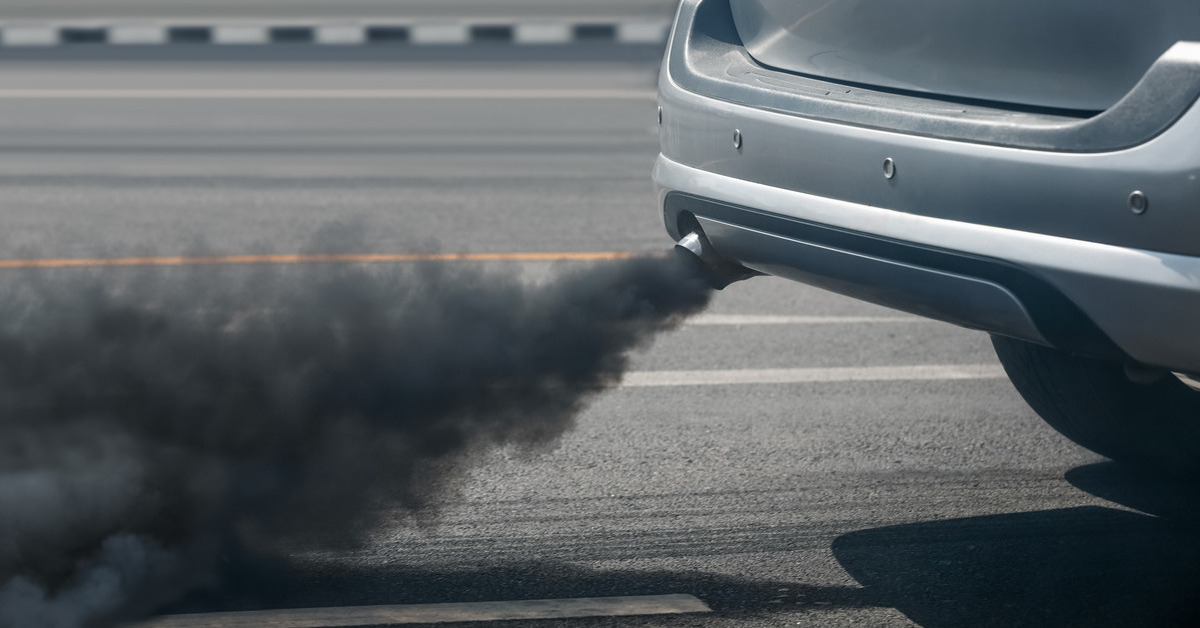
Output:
x=1030 y=168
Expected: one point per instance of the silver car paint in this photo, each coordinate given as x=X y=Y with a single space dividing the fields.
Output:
x=1064 y=215
x=1076 y=195
x=1074 y=54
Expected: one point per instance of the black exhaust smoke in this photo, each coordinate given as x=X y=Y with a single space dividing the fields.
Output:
x=151 y=419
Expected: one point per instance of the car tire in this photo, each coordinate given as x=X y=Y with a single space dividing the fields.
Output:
x=1152 y=423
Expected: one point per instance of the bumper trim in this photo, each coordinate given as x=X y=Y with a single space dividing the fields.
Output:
x=972 y=291
x=952 y=297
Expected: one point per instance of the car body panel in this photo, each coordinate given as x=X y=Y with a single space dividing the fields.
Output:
x=1073 y=194
x=1070 y=54
x=707 y=57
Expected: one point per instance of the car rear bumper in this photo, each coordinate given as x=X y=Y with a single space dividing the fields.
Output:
x=1096 y=299
x=1022 y=240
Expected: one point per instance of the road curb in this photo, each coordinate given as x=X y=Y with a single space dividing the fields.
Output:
x=332 y=33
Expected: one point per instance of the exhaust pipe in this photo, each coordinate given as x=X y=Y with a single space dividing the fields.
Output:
x=716 y=270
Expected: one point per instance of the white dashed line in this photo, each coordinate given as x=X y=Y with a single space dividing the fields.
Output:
x=340 y=35
x=548 y=33
x=137 y=35
x=925 y=372
x=335 y=32
x=769 y=319
x=436 y=613
x=642 y=32
x=30 y=36
x=240 y=35
x=441 y=34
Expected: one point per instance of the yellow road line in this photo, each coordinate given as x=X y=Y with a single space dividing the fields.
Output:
x=303 y=259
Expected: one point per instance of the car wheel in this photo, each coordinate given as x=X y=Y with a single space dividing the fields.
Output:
x=1144 y=418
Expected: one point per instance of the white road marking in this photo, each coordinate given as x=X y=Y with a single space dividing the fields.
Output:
x=337 y=32
x=436 y=613
x=547 y=33
x=440 y=34
x=642 y=32
x=341 y=34
x=769 y=319
x=30 y=36
x=137 y=35
x=328 y=94
x=924 y=372
x=240 y=34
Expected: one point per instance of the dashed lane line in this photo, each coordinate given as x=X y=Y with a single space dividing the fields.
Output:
x=369 y=32
x=924 y=372
x=344 y=617
x=773 y=319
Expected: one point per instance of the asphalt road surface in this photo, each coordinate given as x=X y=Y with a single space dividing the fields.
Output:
x=825 y=499
x=276 y=9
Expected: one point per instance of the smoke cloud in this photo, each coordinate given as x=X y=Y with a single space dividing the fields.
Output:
x=151 y=419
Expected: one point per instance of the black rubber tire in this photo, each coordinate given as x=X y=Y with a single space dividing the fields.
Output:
x=1155 y=426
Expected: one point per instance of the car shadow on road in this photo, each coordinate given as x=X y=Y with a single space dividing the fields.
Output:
x=1173 y=500
x=1086 y=566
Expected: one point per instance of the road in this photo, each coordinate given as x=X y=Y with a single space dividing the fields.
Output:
x=840 y=502
x=291 y=9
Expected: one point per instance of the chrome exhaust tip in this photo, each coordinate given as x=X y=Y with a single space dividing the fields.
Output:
x=716 y=270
